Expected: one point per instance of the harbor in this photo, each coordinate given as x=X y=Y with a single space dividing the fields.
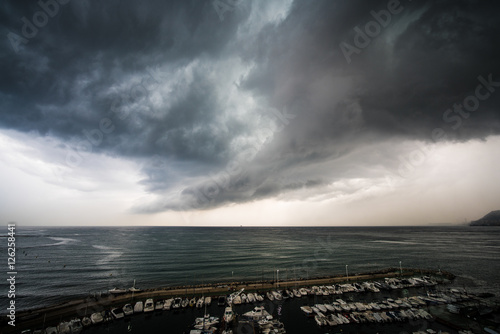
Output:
x=393 y=298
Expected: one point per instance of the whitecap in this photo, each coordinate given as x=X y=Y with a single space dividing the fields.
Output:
x=62 y=241
x=396 y=242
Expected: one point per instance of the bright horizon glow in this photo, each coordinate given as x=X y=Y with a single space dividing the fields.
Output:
x=422 y=196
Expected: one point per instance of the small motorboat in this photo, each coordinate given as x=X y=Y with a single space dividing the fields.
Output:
x=208 y=301
x=270 y=296
x=307 y=310
x=199 y=302
x=51 y=330
x=76 y=326
x=86 y=322
x=177 y=303
x=159 y=305
x=128 y=309
x=228 y=314
x=138 y=307
x=149 y=306
x=321 y=307
x=63 y=328
x=117 y=291
x=117 y=313
x=167 y=305
x=96 y=318
x=237 y=300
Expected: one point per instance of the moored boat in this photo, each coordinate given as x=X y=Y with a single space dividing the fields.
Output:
x=159 y=305
x=76 y=326
x=228 y=314
x=63 y=328
x=117 y=313
x=117 y=291
x=149 y=306
x=138 y=307
x=167 y=305
x=96 y=318
x=307 y=310
x=128 y=309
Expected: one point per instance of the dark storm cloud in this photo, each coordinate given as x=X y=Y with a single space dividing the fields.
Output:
x=113 y=60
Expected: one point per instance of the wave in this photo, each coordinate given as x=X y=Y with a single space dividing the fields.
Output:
x=397 y=242
x=112 y=254
x=102 y=247
x=62 y=241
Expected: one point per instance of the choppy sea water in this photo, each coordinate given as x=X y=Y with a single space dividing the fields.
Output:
x=56 y=264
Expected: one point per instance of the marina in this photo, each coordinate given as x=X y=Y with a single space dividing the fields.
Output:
x=388 y=299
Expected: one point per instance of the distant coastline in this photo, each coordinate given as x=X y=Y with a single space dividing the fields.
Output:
x=491 y=219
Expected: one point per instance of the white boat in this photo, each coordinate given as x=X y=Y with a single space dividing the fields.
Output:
x=251 y=298
x=128 y=309
x=117 y=313
x=320 y=320
x=316 y=310
x=277 y=295
x=134 y=289
x=206 y=322
x=228 y=314
x=138 y=307
x=296 y=293
x=199 y=302
x=303 y=291
x=177 y=303
x=149 y=306
x=270 y=296
x=307 y=310
x=329 y=307
x=159 y=305
x=51 y=330
x=208 y=300
x=321 y=307
x=185 y=303
x=63 y=328
x=192 y=302
x=244 y=298
x=96 y=318
x=257 y=314
x=259 y=298
x=343 y=318
x=86 y=321
x=76 y=326
x=167 y=305
x=117 y=291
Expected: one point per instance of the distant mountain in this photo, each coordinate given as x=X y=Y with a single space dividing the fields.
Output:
x=491 y=219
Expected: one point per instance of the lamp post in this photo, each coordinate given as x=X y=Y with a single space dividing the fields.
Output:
x=346 y=272
x=400 y=269
x=277 y=277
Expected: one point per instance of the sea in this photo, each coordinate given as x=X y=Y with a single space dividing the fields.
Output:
x=56 y=264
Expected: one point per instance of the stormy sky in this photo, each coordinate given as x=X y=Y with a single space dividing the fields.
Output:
x=239 y=112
